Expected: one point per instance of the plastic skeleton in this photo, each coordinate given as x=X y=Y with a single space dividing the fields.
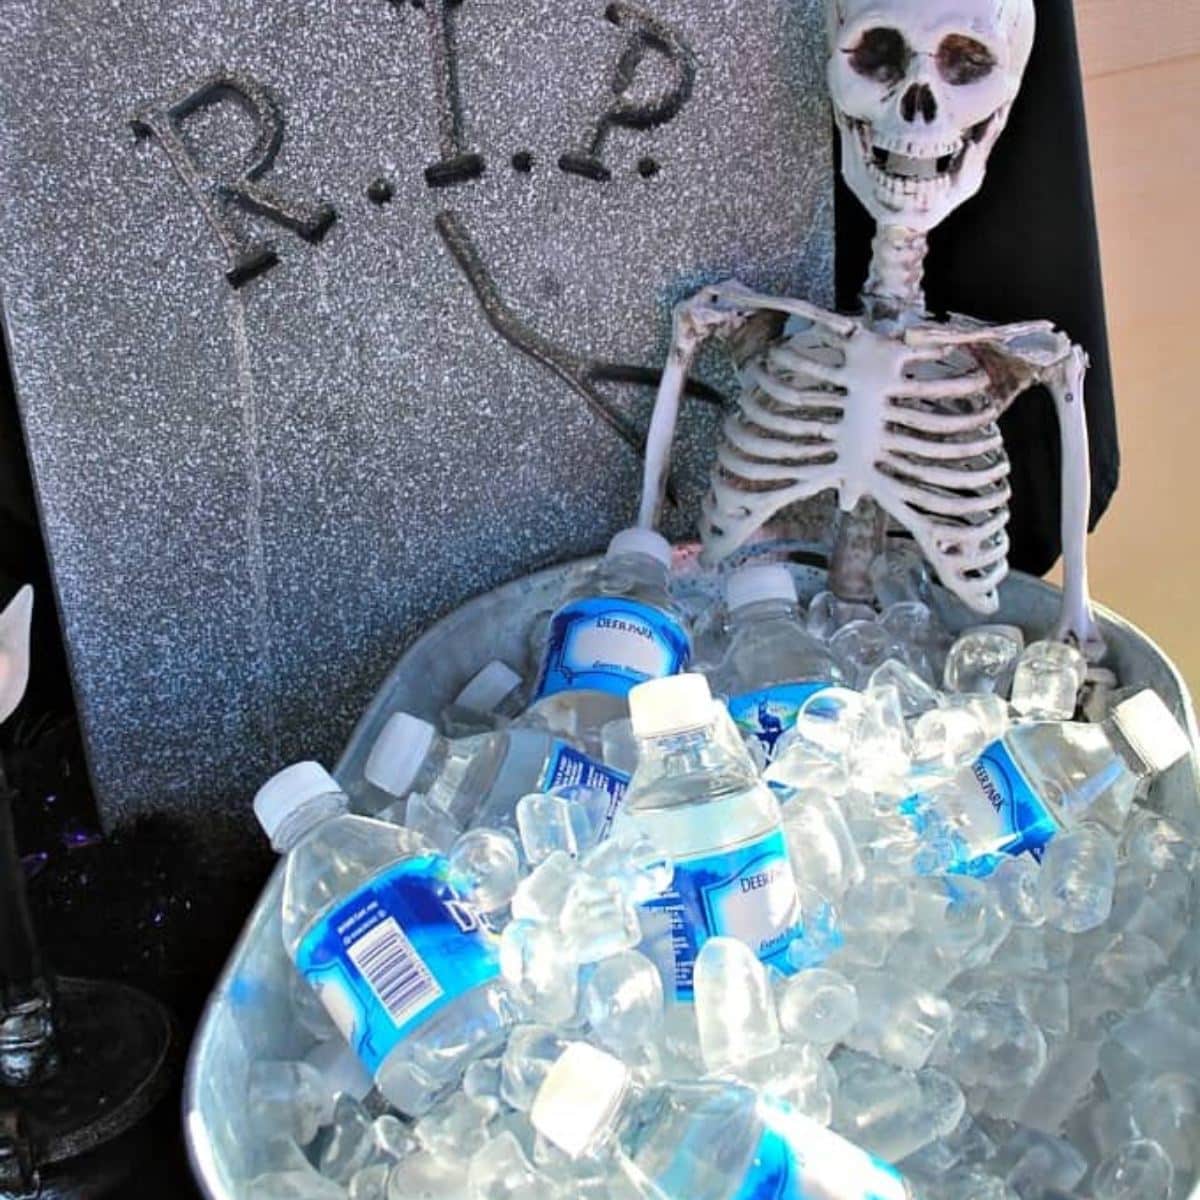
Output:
x=896 y=412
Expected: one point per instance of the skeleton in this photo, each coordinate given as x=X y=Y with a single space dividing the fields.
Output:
x=894 y=411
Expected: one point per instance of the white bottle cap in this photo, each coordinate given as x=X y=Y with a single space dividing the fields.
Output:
x=758 y=582
x=579 y=1097
x=641 y=541
x=1152 y=730
x=671 y=705
x=289 y=790
x=489 y=688
x=395 y=760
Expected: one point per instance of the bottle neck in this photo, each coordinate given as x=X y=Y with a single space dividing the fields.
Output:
x=307 y=818
x=763 y=610
x=707 y=750
x=641 y=568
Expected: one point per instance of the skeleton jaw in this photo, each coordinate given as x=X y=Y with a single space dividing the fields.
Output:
x=902 y=180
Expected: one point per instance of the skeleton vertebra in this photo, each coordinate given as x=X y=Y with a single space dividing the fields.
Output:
x=892 y=408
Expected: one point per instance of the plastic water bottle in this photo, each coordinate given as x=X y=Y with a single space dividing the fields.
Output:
x=1047 y=776
x=409 y=972
x=715 y=1140
x=696 y=793
x=478 y=780
x=617 y=627
x=772 y=663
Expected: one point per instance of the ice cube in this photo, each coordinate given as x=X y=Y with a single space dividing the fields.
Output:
x=1139 y=1170
x=597 y=920
x=543 y=980
x=800 y=1076
x=860 y=647
x=820 y=844
x=500 y=1170
x=984 y=659
x=1078 y=877
x=1047 y=681
x=350 y=1144
x=916 y=696
x=819 y=1006
x=484 y=868
x=992 y=1043
x=394 y=1138
x=631 y=860
x=623 y=1002
x=288 y=1099
x=889 y=1111
x=370 y=1183
x=456 y=1126
x=540 y=895
x=735 y=1011
x=560 y=820
x=531 y=1051
x=423 y=1177
x=1016 y=883
x=898 y=1020
x=1167 y=1108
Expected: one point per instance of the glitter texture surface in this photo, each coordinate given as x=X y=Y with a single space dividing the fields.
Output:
x=254 y=498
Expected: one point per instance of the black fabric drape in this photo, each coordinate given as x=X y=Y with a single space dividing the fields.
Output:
x=1025 y=248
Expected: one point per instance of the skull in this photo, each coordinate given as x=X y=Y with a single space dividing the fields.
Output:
x=921 y=91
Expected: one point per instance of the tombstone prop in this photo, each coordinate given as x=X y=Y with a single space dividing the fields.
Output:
x=325 y=318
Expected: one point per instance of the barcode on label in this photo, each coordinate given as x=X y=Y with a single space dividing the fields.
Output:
x=395 y=972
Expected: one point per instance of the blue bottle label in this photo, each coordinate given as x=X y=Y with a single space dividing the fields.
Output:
x=997 y=812
x=610 y=644
x=797 y=1159
x=394 y=953
x=568 y=767
x=748 y=893
x=770 y=712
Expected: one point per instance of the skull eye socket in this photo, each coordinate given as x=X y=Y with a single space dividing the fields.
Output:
x=881 y=54
x=963 y=60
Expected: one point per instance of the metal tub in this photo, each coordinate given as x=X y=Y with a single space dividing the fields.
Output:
x=246 y=1016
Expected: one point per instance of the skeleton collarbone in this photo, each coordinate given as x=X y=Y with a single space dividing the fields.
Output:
x=910 y=421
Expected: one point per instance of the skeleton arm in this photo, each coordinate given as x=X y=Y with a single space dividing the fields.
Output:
x=722 y=311
x=1017 y=357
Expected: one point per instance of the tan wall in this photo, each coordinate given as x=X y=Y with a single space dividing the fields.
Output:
x=1142 y=66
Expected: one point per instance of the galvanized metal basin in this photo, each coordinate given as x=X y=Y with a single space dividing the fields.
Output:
x=247 y=1015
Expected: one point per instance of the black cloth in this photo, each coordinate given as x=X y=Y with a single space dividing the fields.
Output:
x=1025 y=248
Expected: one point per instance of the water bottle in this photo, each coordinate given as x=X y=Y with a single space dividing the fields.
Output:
x=408 y=971
x=478 y=780
x=1047 y=776
x=616 y=627
x=701 y=1141
x=697 y=795
x=772 y=663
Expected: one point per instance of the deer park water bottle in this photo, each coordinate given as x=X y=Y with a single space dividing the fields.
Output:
x=478 y=780
x=701 y=1141
x=1046 y=776
x=772 y=663
x=616 y=627
x=408 y=971
x=696 y=793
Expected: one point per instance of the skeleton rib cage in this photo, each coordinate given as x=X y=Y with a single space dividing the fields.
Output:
x=915 y=428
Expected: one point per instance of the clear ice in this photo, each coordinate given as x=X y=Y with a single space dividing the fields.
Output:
x=1015 y=1024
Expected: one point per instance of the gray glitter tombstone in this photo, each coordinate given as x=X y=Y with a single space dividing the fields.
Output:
x=327 y=316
